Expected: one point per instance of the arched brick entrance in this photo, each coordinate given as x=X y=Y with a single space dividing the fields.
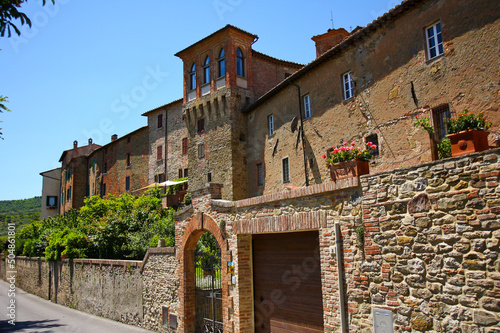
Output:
x=196 y=226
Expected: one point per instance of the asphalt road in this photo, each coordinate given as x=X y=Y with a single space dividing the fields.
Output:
x=34 y=314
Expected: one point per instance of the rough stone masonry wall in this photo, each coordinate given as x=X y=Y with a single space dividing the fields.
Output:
x=431 y=247
x=129 y=291
x=160 y=287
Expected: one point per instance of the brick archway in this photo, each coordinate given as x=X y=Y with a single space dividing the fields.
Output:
x=197 y=225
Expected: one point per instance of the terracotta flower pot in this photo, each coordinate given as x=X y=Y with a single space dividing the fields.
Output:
x=467 y=142
x=349 y=169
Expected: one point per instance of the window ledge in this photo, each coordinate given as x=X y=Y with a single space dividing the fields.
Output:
x=430 y=61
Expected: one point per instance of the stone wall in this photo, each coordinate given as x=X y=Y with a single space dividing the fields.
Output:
x=160 y=287
x=431 y=247
x=132 y=292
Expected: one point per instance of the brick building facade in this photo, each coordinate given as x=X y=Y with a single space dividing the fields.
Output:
x=74 y=176
x=418 y=59
x=120 y=166
x=251 y=131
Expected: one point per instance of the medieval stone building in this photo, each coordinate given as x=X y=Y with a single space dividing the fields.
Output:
x=412 y=246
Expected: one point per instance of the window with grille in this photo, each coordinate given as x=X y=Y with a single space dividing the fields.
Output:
x=260 y=174
x=439 y=114
x=286 y=170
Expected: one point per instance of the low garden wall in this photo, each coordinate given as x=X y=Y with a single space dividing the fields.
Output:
x=132 y=292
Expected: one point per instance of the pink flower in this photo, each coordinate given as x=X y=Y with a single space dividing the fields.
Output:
x=369 y=143
x=336 y=150
x=353 y=143
x=373 y=147
x=324 y=155
x=359 y=148
x=345 y=143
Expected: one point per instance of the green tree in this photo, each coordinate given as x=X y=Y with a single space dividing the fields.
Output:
x=3 y=108
x=9 y=12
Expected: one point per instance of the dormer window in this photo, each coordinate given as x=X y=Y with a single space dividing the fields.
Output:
x=206 y=70
x=192 y=78
x=240 y=63
x=222 y=63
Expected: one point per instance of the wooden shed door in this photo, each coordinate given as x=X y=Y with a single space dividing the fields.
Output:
x=287 y=283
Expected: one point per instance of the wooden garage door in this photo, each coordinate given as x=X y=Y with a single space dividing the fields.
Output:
x=287 y=283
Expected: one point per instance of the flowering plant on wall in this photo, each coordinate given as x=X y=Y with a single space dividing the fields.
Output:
x=467 y=121
x=348 y=152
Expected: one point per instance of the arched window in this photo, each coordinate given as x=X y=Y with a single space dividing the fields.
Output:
x=206 y=70
x=222 y=63
x=240 y=64
x=192 y=78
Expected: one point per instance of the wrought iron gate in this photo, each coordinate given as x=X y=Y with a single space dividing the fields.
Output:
x=208 y=291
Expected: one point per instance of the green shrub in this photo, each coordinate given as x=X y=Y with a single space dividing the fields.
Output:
x=444 y=148
x=187 y=199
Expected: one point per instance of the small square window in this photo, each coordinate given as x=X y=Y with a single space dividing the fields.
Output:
x=201 y=125
x=307 y=106
x=51 y=201
x=348 y=86
x=286 y=170
x=128 y=159
x=201 y=150
x=127 y=183
x=270 y=124
x=434 y=41
x=185 y=172
x=209 y=177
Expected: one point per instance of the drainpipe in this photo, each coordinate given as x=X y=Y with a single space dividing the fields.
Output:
x=340 y=274
x=302 y=133
x=166 y=144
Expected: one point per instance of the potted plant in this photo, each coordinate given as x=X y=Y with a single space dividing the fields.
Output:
x=348 y=161
x=468 y=133
x=439 y=149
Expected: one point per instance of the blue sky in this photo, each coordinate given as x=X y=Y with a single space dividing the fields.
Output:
x=91 y=68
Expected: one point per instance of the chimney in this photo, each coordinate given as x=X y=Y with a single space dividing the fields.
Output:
x=75 y=144
x=328 y=40
x=114 y=137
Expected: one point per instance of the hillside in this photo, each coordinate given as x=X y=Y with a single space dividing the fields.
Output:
x=19 y=212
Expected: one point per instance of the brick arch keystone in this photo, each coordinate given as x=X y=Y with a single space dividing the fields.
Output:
x=197 y=225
